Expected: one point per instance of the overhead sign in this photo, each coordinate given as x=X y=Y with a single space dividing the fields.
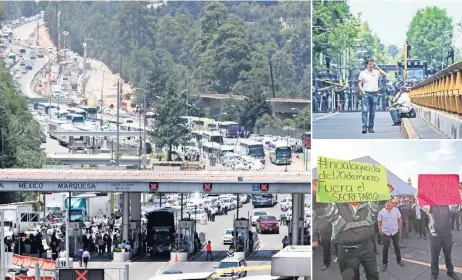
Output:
x=255 y=187
x=207 y=187
x=350 y=181
x=81 y=274
x=264 y=187
x=153 y=186
x=439 y=189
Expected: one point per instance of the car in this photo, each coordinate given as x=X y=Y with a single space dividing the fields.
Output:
x=172 y=271
x=267 y=224
x=233 y=262
x=256 y=214
x=228 y=237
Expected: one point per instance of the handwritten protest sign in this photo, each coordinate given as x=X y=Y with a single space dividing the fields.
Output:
x=439 y=189
x=350 y=181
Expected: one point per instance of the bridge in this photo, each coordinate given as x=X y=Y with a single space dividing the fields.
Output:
x=281 y=106
x=439 y=102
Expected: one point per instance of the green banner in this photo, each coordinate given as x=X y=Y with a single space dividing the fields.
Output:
x=350 y=181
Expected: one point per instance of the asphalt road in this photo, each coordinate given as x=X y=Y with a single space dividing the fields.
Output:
x=349 y=126
x=416 y=257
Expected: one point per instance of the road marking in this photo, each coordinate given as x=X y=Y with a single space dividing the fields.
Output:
x=160 y=269
x=328 y=115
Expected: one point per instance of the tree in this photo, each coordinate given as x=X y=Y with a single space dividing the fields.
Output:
x=426 y=33
x=392 y=51
x=170 y=128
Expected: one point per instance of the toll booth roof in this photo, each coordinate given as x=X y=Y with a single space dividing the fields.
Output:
x=294 y=251
x=146 y=175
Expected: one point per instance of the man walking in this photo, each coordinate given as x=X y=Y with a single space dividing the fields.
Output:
x=439 y=225
x=323 y=235
x=389 y=223
x=208 y=248
x=369 y=88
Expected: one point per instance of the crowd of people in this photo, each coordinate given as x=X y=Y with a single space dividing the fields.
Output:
x=354 y=231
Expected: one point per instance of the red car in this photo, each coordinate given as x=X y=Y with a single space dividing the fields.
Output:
x=267 y=224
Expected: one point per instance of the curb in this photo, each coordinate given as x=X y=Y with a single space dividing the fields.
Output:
x=325 y=116
x=407 y=129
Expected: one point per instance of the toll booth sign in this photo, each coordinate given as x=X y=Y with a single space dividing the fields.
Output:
x=81 y=274
x=207 y=187
x=153 y=186
x=264 y=187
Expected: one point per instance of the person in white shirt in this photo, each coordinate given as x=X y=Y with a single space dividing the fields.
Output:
x=369 y=89
x=401 y=105
x=86 y=257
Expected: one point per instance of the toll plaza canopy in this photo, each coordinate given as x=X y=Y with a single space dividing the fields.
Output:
x=47 y=180
x=400 y=187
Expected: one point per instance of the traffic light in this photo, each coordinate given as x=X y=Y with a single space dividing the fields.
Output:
x=153 y=186
x=264 y=187
x=207 y=187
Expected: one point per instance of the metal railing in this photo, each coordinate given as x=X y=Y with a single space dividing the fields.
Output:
x=442 y=91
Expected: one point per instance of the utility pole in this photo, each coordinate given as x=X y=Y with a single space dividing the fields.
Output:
x=272 y=80
x=101 y=104
x=405 y=65
x=84 y=80
x=38 y=27
x=59 y=32
x=3 y=149
x=118 y=119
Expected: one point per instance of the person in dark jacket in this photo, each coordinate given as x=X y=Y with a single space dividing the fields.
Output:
x=404 y=210
x=353 y=228
x=439 y=225
x=324 y=236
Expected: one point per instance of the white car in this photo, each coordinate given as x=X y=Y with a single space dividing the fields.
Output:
x=256 y=214
x=198 y=214
x=286 y=203
x=232 y=263
x=228 y=236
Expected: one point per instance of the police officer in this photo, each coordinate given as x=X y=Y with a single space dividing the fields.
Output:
x=323 y=235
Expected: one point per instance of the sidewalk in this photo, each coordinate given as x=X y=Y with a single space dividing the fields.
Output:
x=416 y=257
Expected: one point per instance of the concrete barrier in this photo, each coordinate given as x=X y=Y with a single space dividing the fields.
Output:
x=448 y=125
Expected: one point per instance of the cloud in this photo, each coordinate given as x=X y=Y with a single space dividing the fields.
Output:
x=446 y=151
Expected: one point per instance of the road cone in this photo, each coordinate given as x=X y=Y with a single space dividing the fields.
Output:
x=176 y=258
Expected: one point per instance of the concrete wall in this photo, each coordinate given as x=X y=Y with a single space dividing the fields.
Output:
x=449 y=125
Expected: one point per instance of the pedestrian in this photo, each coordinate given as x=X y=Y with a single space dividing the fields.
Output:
x=101 y=246
x=86 y=258
x=404 y=210
x=323 y=235
x=439 y=225
x=109 y=244
x=369 y=88
x=80 y=255
x=420 y=220
x=208 y=248
x=354 y=240
x=390 y=223
x=285 y=242
x=455 y=216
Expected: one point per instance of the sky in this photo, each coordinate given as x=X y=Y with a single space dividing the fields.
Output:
x=390 y=19
x=406 y=159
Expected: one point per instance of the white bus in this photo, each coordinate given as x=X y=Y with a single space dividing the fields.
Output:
x=280 y=153
x=44 y=108
x=212 y=136
x=252 y=148
x=79 y=111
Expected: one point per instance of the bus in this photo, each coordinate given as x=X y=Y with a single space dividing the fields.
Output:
x=91 y=112
x=306 y=138
x=178 y=275
x=212 y=136
x=78 y=111
x=211 y=148
x=252 y=148
x=75 y=118
x=45 y=108
x=213 y=126
x=229 y=129
x=280 y=153
x=264 y=200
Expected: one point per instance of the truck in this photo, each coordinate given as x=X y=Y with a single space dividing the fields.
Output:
x=32 y=54
x=40 y=52
x=83 y=207
x=160 y=231
x=20 y=217
x=74 y=78
x=28 y=63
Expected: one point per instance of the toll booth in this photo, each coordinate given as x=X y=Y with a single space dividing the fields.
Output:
x=186 y=233
x=244 y=239
x=301 y=233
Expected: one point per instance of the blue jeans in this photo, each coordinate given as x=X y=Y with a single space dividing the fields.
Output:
x=369 y=105
x=394 y=115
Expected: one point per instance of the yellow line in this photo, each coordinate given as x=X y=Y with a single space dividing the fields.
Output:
x=239 y=269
